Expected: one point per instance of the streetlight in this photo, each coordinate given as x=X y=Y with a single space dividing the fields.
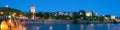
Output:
x=1 y=13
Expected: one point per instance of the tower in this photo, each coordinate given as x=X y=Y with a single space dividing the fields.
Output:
x=33 y=11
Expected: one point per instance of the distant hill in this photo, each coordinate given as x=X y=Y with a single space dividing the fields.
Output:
x=4 y=11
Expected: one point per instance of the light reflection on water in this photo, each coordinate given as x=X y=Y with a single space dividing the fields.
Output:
x=81 y=27
x=50 y=27
x=73 y=27
x=68 y=26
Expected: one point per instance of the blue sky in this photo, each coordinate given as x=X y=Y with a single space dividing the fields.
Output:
x=100 y=6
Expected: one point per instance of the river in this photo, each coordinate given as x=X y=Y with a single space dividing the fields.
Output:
x=72 y=27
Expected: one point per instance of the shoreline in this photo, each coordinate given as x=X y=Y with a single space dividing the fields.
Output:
x=66 y=22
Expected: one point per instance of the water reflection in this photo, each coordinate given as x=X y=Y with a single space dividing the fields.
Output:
x=90 y=27
x=37 y=28
x=68 y=26
x=79 y=27
x=50 y=27
x=108 y=26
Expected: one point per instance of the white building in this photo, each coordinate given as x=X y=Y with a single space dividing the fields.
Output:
x=65 y=13
x=112 y=17
x=33 y=11
x=91 y=13
x=32 y=8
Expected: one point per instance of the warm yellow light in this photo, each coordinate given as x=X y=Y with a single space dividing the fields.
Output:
x=88 y=14
x=21 y=15
x=14 y=13
x=106 y=18
x=24 y=28
x=55 y=14
x=1 y=13
x=11 y=23
x=112 y=17
x=68 y=17
x=4 y=25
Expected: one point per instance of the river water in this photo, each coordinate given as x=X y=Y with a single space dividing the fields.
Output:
x=72 y=26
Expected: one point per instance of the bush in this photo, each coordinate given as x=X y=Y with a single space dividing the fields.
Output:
x=75 y=22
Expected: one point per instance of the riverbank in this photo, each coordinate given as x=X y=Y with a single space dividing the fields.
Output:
x=93 y=22
x=65 y=22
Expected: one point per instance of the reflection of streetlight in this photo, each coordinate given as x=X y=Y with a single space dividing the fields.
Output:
x=68 y=26
x=50 y=27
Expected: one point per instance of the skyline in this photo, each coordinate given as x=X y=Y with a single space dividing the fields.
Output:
x=102 y=7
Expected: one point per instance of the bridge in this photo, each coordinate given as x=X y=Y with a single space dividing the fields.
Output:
x=10 y=24
x=14 y=23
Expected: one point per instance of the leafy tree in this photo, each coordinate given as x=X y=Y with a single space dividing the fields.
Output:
x=82 y=14
x=28 y=14
x=8 y=11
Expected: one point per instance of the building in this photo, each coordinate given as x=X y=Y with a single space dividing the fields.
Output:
x=65 y=13
x=109 y=17
x=32 y=8
x=91 y=13
x=81 y=12
x=112 y=17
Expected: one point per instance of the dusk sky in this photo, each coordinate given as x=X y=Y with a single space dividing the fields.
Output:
x=102 y=7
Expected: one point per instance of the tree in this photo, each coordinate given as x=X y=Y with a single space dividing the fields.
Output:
x=39 y=14
x=28 y=14
x=9 y=11
x=82 y=14
x=75 y=15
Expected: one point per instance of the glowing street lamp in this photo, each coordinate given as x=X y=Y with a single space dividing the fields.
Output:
x=1 y=13
x=9 y=16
